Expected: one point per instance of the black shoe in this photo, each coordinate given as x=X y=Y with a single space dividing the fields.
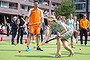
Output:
x=12 y=43
x=86 y=44
x=39 y=49
x=21 y=43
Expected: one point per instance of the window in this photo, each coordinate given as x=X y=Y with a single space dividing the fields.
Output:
x=29 y=7
x=30 y=0
x=80 y=0
x=41 y=1
x=46 y=3
x=13 y=5
x=24 y=7
x=89 y=6
x=5 y=4
x=80 y=6
x=0 y=3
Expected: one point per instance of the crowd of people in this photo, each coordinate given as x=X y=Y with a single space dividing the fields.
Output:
x=36 y=25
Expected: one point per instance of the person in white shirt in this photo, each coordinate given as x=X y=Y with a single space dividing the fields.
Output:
x=70 y=22
x=76 y=28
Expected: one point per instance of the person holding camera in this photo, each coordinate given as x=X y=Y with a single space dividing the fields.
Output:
x=20 y=29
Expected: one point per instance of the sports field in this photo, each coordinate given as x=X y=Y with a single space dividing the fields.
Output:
x=10 y=52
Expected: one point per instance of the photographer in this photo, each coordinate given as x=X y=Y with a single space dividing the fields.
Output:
x=20 y=29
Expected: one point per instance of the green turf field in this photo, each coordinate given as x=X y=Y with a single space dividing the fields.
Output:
x=10 y=52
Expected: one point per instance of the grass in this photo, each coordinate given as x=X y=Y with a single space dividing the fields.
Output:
x=10 y=52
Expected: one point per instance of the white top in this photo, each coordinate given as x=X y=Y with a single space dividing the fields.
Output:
x=70 y=22
x=76 y=25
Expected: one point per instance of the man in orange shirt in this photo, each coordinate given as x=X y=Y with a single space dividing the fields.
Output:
x=84 y=25
x=35 y=16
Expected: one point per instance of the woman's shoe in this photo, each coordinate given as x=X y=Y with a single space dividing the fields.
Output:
x=71 y=54
x=57 y=55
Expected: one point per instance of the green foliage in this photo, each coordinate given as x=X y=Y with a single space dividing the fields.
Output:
x=66 y=7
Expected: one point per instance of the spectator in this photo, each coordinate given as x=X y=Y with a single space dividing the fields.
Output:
x=76 y=28
x=8 y=29
x=14 y=27
x=70 y=22
x=84 y=25
x=21 y=27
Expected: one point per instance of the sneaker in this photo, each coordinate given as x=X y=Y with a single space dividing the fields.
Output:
x=21 y=43
x=71 y=54
x=57 y=55
x=40 y=44
x=28 y=49
x=86 y=44
x=39 y=49
x=76 y=42
x=12 y=43
x=33 y=41
x=72 y=46
x=81 y=44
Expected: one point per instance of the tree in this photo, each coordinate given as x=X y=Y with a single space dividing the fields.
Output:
x=66 y=7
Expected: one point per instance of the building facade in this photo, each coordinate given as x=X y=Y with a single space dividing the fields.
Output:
x=8 y=8
x=82 y=7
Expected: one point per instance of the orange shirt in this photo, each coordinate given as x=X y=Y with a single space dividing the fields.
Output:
x=35 y=16
x=84 y=23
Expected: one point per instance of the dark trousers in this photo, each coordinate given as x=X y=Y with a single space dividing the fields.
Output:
x=7 y=31
x=14 y=32
x=83 y=32
x=20 y=35
x=75 y=34
x=41 y=33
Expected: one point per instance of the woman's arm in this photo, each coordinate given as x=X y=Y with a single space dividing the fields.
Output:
x=47 y=37
x=49 y=34
x=63 y=30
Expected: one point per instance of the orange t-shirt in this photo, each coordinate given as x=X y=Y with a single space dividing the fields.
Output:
x=35 y=16
x=84 y=23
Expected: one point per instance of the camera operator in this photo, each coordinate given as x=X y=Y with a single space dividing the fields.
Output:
x=20 y=29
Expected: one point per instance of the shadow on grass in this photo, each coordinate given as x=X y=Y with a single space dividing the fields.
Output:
x=49 y=47
x=84 y=46
x=1 y=43
x=9 y=50
x=50 y=44
x=35 y=56
x=82 y=53
x=4 y=44
x=64 y=53
x=88 y=46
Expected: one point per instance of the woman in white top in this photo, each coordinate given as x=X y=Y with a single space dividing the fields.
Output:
x=70 y=22
x=76 y=28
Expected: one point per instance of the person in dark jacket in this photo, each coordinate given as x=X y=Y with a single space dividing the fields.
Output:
x=14 y=27
x=8 y=29
x=43 y=28
x=21 y=29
